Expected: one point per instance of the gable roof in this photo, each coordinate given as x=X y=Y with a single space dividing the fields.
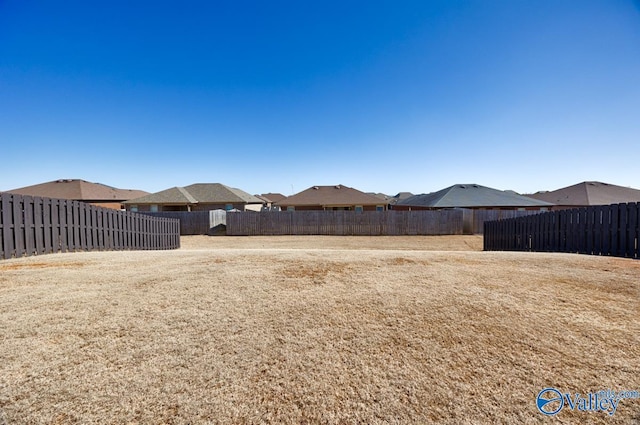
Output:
x=471 y=196
x=391 y=199
x=589 y=193
x=78 y=190
x=272 y=197
x=203 y=193
x=338 y=195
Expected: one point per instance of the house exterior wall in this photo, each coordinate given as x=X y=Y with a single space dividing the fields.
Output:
x=421 y=208
x=110 y=205
x=209 y=207
x=196 y=207
x=323 y=208
x=161 y=208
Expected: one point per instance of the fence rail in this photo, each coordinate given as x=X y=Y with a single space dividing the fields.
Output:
x=599 y=230
x=366 y=223
x=34 y=225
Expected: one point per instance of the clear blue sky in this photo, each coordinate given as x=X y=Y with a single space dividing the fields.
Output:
x=275 y=96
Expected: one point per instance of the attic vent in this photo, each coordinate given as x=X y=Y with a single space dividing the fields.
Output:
x=338 y=186
x=475 y=185
x=463 y=186
x=315 y=188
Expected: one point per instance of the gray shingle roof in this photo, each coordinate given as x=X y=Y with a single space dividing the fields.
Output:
x=589 y=193
x=204 y=193
x=471 y=196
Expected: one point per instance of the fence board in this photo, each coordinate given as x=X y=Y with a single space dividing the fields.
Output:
x=7 y=225
x=18 y=226
x=623 y=223
x=38 y=226
x=633 y=219
x=605 y=230
x=82 y=227
x=597 y=230
x=46 y=225
x=28 y=226
x=55 y=226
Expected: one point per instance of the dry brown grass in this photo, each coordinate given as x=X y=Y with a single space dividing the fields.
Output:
x=314 y=330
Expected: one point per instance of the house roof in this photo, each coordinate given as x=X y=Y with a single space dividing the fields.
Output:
x=589 y=193
x=471 y=196
x=203 y=193
x=78 y=190
x=338 y=195
x=391 y=199
x=272 y=197
x=379 y=195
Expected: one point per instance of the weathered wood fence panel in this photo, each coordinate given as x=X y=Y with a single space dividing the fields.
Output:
x=34 y=225
x=366 y=223
x=599 y=230
x=480 y=216
x=191 y=222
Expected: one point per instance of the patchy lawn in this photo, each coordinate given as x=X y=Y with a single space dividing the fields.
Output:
x=315 y=330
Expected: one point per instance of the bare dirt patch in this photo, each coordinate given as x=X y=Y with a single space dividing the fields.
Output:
x=420 y=243
x=314 y=333
x=40 y=265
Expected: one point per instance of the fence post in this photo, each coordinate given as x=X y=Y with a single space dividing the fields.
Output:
x=633 y=240
x=605 y=232
x=8 y=226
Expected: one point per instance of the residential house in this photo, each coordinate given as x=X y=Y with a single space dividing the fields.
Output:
x=472 y=196
x=271 y=200
x=80 y=190
x=588 y=193
x=196 y=197
x=338 y=197
x=392 y=200
x=479 y=204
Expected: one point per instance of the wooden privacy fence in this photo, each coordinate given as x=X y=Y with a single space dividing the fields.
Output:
x=194 y=222
x=598 y=230
x=480 y=216
x=365 y=223
x=32 y=226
